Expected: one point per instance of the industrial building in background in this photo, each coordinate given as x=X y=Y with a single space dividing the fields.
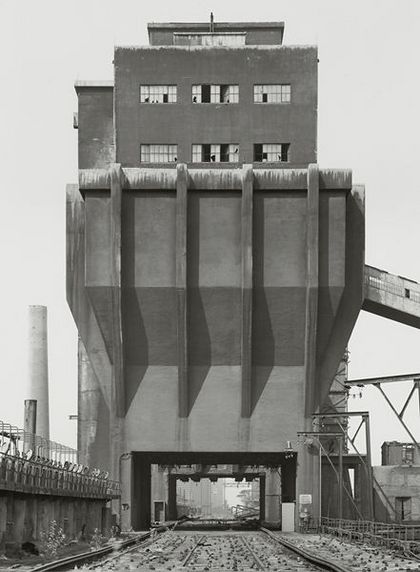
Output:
x=215 y=273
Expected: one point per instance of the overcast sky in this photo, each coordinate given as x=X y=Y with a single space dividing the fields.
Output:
x=369 y=120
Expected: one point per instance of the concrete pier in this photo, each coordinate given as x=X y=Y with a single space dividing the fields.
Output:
x=38 y=367
x=273 y=498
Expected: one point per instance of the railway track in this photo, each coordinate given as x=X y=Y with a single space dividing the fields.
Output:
x=208 y=551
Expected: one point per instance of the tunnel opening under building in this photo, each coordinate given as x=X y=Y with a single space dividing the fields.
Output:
x=218 y=498
x=164 y=484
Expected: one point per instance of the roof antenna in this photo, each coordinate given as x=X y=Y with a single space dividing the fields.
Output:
x=211 y=22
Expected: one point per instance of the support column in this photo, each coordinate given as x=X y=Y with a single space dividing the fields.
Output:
x=159 y=489
x=246 y=332
x=172 y=513
x=417 y=384
x=38 y=367
x=117 y=346
x=273 y=498
x=3 y=521
x=308 y=469
x=88 y=397
x=262 y=498
x=141 y=489
x=117 y=401
x=127 y=500
x=312 y=283
x=181 y=287
x=371 y=502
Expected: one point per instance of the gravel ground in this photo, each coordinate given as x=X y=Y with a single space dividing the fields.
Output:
x=209 y=551
x=355 y=557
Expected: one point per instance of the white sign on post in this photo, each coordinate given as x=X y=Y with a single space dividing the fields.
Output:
x=305 y=499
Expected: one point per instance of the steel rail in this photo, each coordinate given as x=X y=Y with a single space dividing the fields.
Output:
x=257 y=560
x=122 y=551
x=188 y=558
x=309 y=556
x=70 y=561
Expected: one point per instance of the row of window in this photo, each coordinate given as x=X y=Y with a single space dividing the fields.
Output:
x=216 y=93
x=215 y=153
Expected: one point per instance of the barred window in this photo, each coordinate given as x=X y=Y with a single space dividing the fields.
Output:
x=271 y=152
x=215 y=153
x=158 y=153
x=215 y=93
x=274 y=93
x=158 y=93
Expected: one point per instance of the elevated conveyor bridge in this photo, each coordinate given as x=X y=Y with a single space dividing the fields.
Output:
x=391 y=296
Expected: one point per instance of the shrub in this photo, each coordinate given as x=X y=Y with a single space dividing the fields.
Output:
x=52 y=539
x=97 y=540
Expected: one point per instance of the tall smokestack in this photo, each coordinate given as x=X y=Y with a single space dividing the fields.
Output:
x=38 y=368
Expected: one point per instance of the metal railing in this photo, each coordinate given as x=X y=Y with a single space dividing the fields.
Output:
x=37 y=477
x=17 y=442
x=391 y=535
x=30 y=463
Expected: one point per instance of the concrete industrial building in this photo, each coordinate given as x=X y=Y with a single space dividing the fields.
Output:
x=399 y=479
x=213 y=271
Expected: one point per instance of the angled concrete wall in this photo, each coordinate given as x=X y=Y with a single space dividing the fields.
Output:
x=261 y=337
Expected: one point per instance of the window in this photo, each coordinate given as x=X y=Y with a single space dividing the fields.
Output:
x=220 y=153
x=219 y=93
x=403 y=508
x=271 y=152
x=407 y=454
x=275 y=93
x=406 y=292
x=158 y=93
x=158 y=153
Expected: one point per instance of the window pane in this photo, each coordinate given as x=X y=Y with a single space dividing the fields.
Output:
x=234 y=153
x=144 y=154
x=158 y=153
x=215 y=94
x=196 y=154
x=271 y=152
x=234 y=93
x=272 y=93
x=144 y=93
x=158 y=93
x=196 y=93
x=215 y=153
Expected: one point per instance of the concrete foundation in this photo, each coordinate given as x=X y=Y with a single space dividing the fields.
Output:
x=23 y=517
